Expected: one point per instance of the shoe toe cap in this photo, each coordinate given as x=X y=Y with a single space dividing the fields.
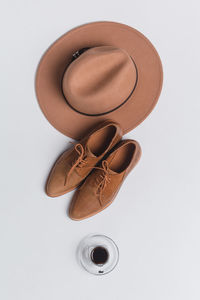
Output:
x=83 y=206
x=56 y=186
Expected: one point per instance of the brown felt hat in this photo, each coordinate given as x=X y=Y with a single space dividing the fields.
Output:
x=98 y=71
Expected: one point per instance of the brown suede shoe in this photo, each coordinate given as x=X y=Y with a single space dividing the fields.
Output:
x=103 y=184
x=75 y=164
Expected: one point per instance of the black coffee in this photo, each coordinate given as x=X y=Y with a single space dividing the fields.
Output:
x=99 y=255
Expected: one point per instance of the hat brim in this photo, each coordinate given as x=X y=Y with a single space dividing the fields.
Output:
x=58 y=56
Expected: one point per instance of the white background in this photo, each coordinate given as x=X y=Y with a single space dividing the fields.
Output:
x=155 y=219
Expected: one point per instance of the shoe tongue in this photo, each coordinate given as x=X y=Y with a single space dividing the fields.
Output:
x=109 y=161
x=88 y=152
x=110 y=171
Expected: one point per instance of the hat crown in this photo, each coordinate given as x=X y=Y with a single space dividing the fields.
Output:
x=99 y=80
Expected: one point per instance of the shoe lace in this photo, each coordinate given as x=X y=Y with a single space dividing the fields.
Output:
x=79 y=162
x=103 y=179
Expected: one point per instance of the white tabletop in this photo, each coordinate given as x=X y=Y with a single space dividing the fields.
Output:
x=155 y=218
